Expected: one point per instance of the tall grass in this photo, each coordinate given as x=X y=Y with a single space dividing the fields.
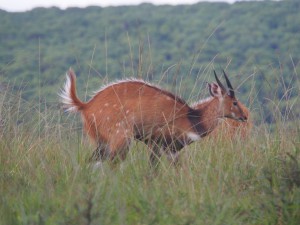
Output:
x=45 y=177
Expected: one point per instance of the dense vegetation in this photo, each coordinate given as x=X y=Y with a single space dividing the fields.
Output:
x=44 y=174
x=257 y=42
x=45 y=177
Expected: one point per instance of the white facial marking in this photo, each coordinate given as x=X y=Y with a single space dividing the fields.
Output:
x=193 y=136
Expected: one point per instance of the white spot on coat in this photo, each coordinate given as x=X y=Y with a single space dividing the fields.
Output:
x=193 y=136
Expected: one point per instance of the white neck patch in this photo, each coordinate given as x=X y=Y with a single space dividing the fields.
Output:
x=193 y=136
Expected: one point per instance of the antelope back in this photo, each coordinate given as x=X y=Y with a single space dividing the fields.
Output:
x=134 y=109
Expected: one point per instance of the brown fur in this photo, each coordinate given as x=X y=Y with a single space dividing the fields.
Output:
x=232 y=129
x=134 y=109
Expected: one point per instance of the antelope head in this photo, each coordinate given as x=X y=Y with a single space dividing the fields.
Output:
x=230 y=107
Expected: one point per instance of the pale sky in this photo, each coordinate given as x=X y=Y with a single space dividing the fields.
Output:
x=24 y=5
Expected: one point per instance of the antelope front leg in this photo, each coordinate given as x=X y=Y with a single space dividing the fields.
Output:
x=99 y=154
x=173 y=158
x=155 y=154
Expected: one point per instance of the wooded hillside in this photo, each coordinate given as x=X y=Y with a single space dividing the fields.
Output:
x=258 y=43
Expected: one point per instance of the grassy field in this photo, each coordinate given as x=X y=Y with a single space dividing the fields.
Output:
x=45 y=177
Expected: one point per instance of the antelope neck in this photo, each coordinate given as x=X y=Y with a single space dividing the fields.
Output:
x=204 y=117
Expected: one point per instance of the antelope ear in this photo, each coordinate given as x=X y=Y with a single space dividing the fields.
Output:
x=215 y=90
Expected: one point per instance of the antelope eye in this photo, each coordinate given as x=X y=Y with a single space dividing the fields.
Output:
x=235 y=103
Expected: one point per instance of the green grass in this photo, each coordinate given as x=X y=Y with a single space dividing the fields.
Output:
x=45 y=177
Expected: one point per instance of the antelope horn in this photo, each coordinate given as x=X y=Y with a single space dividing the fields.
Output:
x=231 y=91
x=219 y=82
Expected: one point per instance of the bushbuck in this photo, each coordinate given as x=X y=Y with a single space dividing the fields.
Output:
x=134 y=109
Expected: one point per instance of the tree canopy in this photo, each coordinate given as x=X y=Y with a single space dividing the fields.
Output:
x=258 y=43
